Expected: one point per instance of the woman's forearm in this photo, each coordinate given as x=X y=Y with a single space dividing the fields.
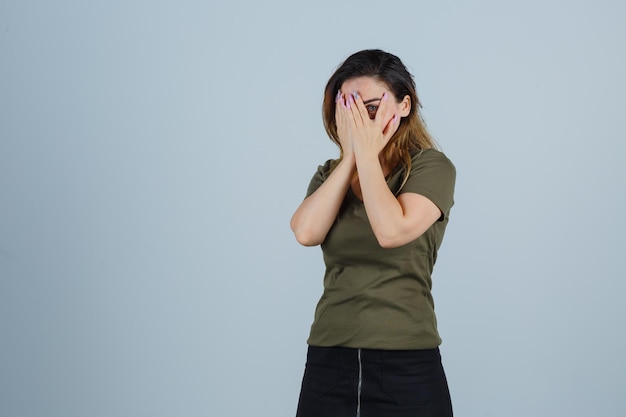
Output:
x=395 y=221
x=383 y=209
x=316 y=214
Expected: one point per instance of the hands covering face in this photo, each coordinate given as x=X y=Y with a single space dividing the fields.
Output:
x=364 y=133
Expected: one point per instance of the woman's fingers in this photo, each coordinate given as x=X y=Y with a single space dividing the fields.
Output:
x=345 y=123
x=354 y=126
x=337 y=107
x=375 y=131
x=389 y=120
x=358 y=108
x=390 y=127
x=384 y=113
x=341 y=110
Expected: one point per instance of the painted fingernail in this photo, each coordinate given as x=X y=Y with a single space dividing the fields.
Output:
x=355 y=94
x=338 y=96
x=385 y=96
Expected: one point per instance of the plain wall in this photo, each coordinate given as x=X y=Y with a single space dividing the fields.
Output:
x=152 y=153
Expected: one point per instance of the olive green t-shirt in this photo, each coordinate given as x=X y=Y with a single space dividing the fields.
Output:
x=376 y=298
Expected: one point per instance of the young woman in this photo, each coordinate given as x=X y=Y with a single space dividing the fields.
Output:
x=379 y=213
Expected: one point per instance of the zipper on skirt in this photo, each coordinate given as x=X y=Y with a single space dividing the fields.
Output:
x=360 y=384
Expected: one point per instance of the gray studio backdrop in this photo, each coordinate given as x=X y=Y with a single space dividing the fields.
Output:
x=151 y=155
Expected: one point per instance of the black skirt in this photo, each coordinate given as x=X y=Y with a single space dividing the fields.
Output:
x=347 y=382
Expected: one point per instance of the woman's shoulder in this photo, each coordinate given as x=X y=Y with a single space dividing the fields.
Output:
x=325 y=169
x=430 y=156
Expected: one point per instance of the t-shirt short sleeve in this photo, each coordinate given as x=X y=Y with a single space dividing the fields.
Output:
x=319 y=177
x=432 y=175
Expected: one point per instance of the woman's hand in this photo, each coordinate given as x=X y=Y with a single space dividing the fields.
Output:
x=367 y=136
x=342 y=119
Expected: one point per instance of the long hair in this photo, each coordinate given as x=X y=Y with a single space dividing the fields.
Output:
x=387 y=68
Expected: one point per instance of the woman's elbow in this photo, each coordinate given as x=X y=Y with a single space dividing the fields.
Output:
x=304 y=236
x=306 y=239
x=388 y=242
x=393 y=240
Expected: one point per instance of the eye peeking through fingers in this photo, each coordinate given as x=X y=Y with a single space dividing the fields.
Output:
x=372 y=107
x=371 y=110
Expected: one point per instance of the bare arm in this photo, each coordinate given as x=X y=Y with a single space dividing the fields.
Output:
x=395 y=221
x=316 y=214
